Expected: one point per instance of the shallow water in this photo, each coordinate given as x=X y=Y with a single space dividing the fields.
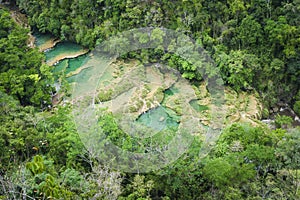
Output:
x=61 y=66
x=75 y=63
x=171 y=91
x=158 y=119
x=168 y=93
x=194 y=103
x=61 y=50
x=161 y=117
x=41 y=39
x=106 y=77
x=83 y=75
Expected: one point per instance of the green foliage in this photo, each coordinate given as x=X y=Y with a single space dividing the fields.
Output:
x=43 y=180
x=255 y=44
x=22 y=73
x=249 y=33
x=25 y=133
x=36 y=166
x=259 y=40
x=139 y=189
x=288 y=150
x=19 y=137
x=227 y=172
x=104 y=96
x=238 y=68
x=74 y=181
x=114 y=133
x=283 y=121
x=297 y=107
x=247 y=159
x=64 y=144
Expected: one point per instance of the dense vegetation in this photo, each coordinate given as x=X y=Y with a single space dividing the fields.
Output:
x=22 y=73
x=254 y=43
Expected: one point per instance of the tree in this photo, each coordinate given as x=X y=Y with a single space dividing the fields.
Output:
x=250 y=33
x=139 y=188
x=22 y=73
x=238 y=68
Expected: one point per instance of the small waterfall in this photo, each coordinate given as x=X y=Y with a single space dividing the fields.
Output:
x=286 y=110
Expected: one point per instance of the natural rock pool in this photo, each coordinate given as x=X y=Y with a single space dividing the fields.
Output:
x=159 y=119
x=63 y=50
x=69 y=59
x=66 y=57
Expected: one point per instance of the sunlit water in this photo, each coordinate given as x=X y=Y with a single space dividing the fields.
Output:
x=159 y=118
x=41 y=39
x=64 y=66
